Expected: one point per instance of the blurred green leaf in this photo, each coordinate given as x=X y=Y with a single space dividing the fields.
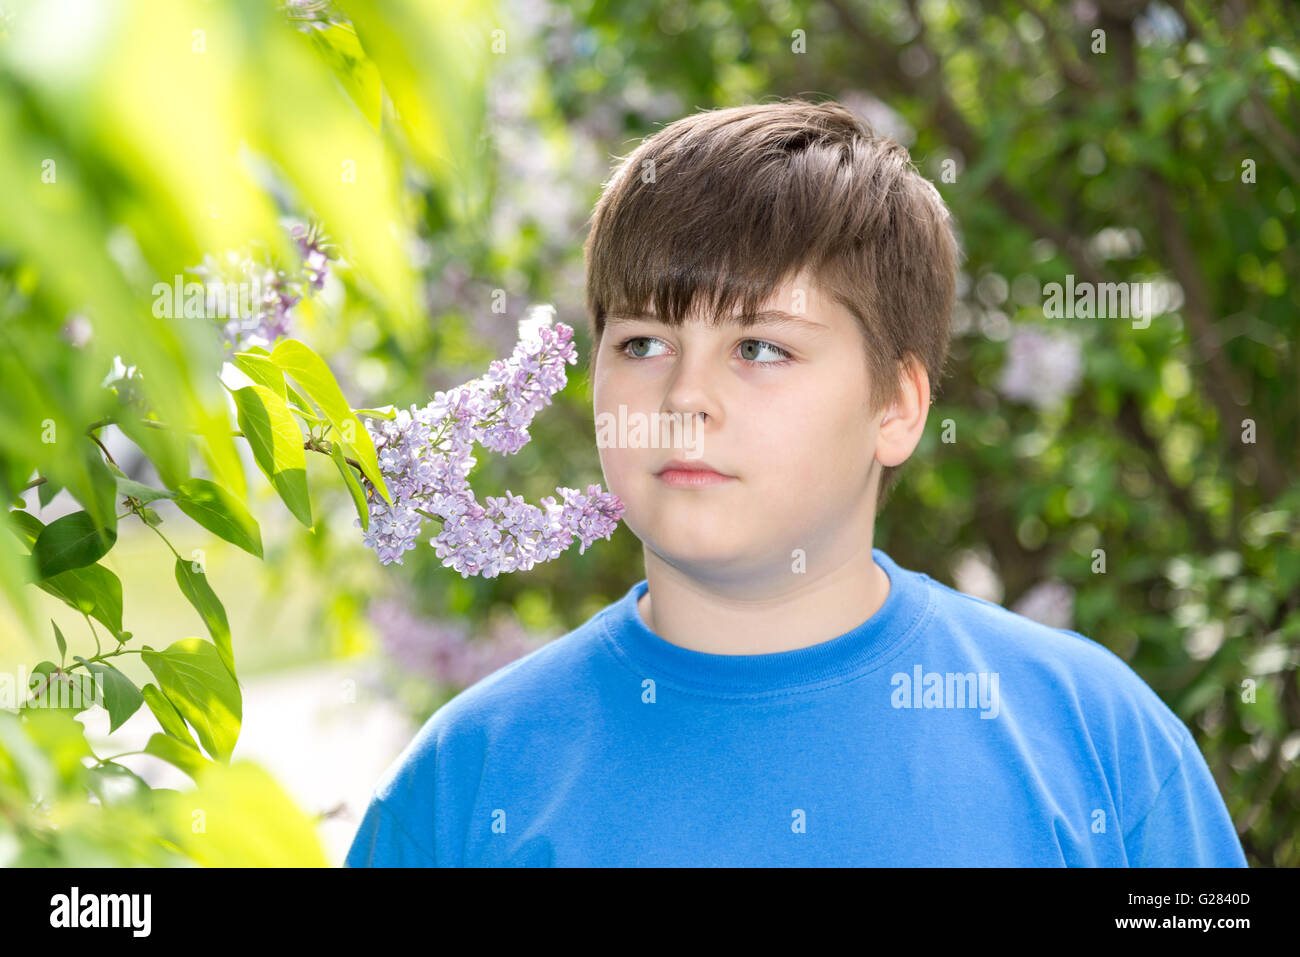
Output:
x=177 y=753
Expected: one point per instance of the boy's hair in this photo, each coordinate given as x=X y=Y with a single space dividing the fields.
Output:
x=730 y=203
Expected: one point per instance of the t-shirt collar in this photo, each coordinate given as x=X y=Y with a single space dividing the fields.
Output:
x=853 y=653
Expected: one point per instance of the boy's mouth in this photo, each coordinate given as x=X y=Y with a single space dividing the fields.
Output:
x=691 y=474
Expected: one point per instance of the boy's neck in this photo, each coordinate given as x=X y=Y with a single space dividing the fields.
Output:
x=761 y=620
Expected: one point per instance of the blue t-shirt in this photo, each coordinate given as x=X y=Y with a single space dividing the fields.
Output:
x=943 y=731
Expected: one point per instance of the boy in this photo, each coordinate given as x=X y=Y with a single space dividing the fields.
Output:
x=776 y=691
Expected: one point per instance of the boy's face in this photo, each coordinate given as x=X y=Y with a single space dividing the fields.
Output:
x=793 y=433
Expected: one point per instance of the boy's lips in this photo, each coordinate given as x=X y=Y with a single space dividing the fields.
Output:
x=691 y=465
x=694 y=473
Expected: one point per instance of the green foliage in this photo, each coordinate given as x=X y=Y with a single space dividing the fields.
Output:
x=116 y=184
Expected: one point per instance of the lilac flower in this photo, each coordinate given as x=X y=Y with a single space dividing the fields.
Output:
x=425 y=456
x=311 y=247
x=443 y=650
x=253 y=297
x=1042 y=368
x=308 y=15
x=1050 y=602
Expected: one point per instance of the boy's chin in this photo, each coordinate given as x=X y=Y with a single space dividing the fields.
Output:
x=705 y=550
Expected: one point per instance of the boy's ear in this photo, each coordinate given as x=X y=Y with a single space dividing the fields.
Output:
x=901 y=426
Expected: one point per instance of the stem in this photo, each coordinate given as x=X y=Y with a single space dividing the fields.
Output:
x=98 y=649
x=314 y=445
x=168 y=544
x=102 y=657
x=103 y=761
x=90 y=431
x=95 y=439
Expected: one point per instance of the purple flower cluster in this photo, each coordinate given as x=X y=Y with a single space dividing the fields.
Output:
x=426 y=456
x=308 y=15
x=253 y=297
x=311 y=247
x=1042 y=368
x=443 y=650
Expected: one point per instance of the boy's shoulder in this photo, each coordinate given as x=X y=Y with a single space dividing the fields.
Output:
x=540 y=685
x=1063 y=667
x=543 y=672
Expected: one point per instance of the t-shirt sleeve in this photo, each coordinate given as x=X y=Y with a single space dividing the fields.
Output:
x=382 y=841
x=1188 y=825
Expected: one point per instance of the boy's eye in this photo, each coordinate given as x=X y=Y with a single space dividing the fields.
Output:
x=758 y=346
x=749 y=349
x=634 y=342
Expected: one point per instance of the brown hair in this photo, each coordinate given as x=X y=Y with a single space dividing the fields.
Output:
x=733 y=202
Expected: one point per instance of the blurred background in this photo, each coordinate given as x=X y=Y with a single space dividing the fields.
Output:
x=453 y=152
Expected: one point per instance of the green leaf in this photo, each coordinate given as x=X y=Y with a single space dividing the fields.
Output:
x=121 y=697
x=58 y=640
x=53 y=689
x=194 y=678
x=15 y=473
x=114 y=783
x=276 y=441
x=73 y=541
x=17 y=570
x=376 y=413
x=195 y=587
x=144 y=493
x=89 y=480
x=358 y=74
x=261 y=370
x=166 y=449
x=58 y=733
x=310 y=371
x=304 y=406
x=25 y=526
x=168 y=717
x=93 y=590
x=260 y=825
x=47 y=490
x=176 y=753
x=220 y=513
x=354 y=487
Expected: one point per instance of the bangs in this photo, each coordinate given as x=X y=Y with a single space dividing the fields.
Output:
x=720 y=236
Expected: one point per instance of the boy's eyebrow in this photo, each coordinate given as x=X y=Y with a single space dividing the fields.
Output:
x=770 y=317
